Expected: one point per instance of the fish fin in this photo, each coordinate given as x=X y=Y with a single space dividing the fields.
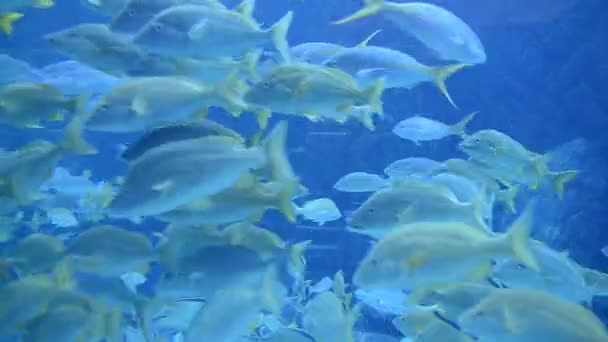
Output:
x=344 y=108
x=285 y=205
x=250 y=62
x=139 y=106
x=62 y=275
x=508 y=197
x=268 y=293
x=163 y=186
x=460 y=127
x=7 y=20
x=262 y=116
x=255 y=139
x=201 y=113
x=72 y=140
x=43 y=3
x=482 y=272
x=232 y=90
x=408 y=215
x=559 y=180
x=518 y=236
x=413 y=262
x=510 y=323
x=77 y=104
x=279 y=36
x=256 y=218
x=373 y=96
x=366 y=40
x=198 y=30
x=312 y=116
x=367 y=120
x=371 y=7
x=297 y=261
x=441 y=74
x=33 y=125
x=56 y=117
x=246 y=8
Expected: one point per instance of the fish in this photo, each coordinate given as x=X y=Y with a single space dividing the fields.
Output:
x=136 y=13
x=36 y=253
x=435 y=329
x=321 y=211
x=25 y=170
x=177 y=132
x=505 y=158
x=61 y=217
x=326 y=318
x=104 y=7
x=303 y=89
x=180 y=172
x=75 y=322
x=510 y=314
x=144 y=103
x=202 y=32
x=399 y=70
x=360 y=182
x=30 y=104
x=8 y=14
x=414 y=201
x=426 y=254
x=560 y=276
x=412 y=167
x=15 y=70
x=419 y=128
x=111 y=251
x=450 y=38
x=73 y=78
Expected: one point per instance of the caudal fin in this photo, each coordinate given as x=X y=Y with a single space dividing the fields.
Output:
x=297 y=261
x=461 y=126
x=441 y=74
x=249 y=64
x=281 y=170
x=518 y=237
x=373 y=96
x=559 y=180
x=508 y=196
x=371 y=7
x=72 y=140
x=232 y=90
x=77 y=104
x=365 y=41
x=279 y=36
x=7 y=20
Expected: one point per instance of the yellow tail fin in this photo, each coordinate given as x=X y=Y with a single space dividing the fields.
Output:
x=460 y=127
x=371 y=7
x=366 y=40
x=6 y=21
x=373 y=96
x=518 y=236
x=72 y=138
x=441 y=74
x=279 y=36
x=559 y=180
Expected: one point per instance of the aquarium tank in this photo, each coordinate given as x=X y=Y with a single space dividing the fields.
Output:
x=303 y=171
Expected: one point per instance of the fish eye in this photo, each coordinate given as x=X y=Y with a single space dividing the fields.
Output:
x=104 y=108
x=158 y=27
x=374 y=262
x=371 y=210
x=266 y=85
x=131 y=13
x=477 y=140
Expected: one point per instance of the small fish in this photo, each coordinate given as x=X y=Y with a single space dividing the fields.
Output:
x=411 y=167
x=15 y=71
x=30 y=104
x=74 y=78
x=105 y=7
x=424 y=254
x=312 y=91
x=136 y=13
x=202 y=32
x=419 y=128
x=8 y=13
x=524 y=315
x=399 y=70
x=37 y=253
x=360 y=182
x=439 y=29
x=321 y=210
x=148 y=102
x=506 y=159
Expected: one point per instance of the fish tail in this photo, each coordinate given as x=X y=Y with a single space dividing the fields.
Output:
x=232 y=89
x=250 y=63
x=441 y=74
x=508 y=197
x=268 y=295
x=365 y=41
x=373 y=96
x=518 y=236
x=367 y=119
x=6 y=21
x=460 y=127
x=279 y=36
x=72 y=140
x=262 y=116
x=559 y=180
x=371 y=7
x=282 y=172
x=297 y=261
x=77 y=104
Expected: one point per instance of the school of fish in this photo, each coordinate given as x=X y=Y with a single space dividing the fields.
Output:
x=80 y=260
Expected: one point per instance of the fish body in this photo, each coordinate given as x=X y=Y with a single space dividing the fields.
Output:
x=360 y=182
x=412 y=167
x=439 y=29
x=321 y=210
x=419 y=128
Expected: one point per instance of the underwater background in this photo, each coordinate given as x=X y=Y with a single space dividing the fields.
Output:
x=544 y=84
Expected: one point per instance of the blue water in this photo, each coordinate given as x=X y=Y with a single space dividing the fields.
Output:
x=544 y=84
